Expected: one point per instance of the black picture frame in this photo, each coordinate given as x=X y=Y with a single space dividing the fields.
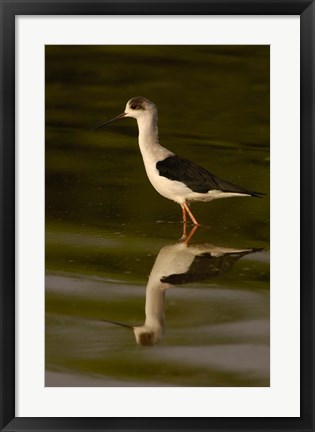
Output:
x=9 y=10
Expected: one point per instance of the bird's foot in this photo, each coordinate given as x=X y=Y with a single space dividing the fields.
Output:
x=182 y=239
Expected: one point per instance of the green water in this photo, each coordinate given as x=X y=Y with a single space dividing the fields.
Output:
x=106 y=225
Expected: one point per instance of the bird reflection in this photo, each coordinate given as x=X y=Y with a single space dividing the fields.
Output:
x=179 y=264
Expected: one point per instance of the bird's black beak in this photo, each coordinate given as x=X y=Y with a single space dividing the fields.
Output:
x=119 y=323
x=120 y=116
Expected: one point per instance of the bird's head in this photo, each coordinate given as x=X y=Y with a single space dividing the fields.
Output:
x=138 y=107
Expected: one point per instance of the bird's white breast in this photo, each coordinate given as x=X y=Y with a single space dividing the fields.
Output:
x=171 y=189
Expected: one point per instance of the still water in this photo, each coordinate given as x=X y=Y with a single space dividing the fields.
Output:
x=114 y=259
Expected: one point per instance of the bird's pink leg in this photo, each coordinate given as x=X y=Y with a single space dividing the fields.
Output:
x=192 y=217
x=184 y=236
x=184 y=213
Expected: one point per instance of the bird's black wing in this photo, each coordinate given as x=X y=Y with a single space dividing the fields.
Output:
x=197 y=178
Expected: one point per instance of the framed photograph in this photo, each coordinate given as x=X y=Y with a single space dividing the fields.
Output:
x=133 y=296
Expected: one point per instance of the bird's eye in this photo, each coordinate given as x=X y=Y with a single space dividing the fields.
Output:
x=133 y=106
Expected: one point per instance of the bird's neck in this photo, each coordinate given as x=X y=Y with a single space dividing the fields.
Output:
x=148 y=133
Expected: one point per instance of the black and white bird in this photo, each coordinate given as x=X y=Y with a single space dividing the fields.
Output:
x=174 y=177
